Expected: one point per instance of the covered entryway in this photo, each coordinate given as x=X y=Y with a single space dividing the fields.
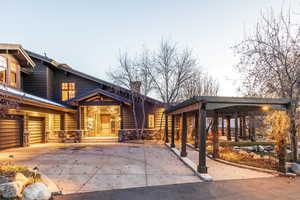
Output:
x=36 y=128
x=10 y=133
x=101 y=121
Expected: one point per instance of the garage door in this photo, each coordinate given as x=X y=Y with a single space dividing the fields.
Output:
x=10 y=133
x=36 y=130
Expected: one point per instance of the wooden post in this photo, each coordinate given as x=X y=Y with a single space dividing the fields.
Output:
x=202 y=145
x=196 y=129
x=228 y=127
x=244 y=126
x=241 y=126
x=252 y=127
x=236 y=124
x=166 y=129
x=173 y=132
x=215 y=136
x=184 y=135
x=223 y=132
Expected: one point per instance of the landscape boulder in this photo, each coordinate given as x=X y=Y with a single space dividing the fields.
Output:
x=10 y=190
x=36 y=191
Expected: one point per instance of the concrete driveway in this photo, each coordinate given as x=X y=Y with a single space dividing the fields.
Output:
x=96 y=167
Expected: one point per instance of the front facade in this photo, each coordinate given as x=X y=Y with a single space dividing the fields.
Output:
x=46 y=101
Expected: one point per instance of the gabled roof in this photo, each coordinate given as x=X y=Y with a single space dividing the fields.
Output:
x=17 y=51
x=218 y=103
x=68 y=69
x=34 y=100
x=99 y=92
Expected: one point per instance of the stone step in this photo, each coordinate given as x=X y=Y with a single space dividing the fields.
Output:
x=99 y=140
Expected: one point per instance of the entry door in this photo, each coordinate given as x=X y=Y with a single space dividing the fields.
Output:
x=105 y=129
x=10 y=133
x=36 y=130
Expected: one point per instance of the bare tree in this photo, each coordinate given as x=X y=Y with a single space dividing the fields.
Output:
x=127 y=74
x=171 y=69
x=199 y=84
x=134 y=73
x=270 y=62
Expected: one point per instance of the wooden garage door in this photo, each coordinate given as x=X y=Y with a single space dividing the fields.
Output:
x=36 y=130
x=10 y=133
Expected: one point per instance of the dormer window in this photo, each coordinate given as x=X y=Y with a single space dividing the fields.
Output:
x=3 y=68
x=67 y=91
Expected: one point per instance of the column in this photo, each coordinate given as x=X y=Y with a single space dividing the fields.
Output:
x=252 y=127
x=184 y=136
x=196 y=129
x=166 y=129
x=223 y=132
x=215 y=136
x=236 y=124
x=241 y=126
x=244 y=126
x=173 y=132
x=228 y=127
x=202 y=142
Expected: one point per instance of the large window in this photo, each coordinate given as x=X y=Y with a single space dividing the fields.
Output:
x=3 y=68
x=67 y=91
x=13 y=74
x=151 y=121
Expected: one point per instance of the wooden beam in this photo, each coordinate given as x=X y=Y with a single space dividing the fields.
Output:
x=202 y=144
x=196 y=129
x=183 y=136
x=99 y=103
x=236 y=128
x=173 y=132
x=228 y=127
x=215 y=136
x=166 y=129
x=190 y=108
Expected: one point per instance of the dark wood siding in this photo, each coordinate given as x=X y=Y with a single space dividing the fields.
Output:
x=127 y=117
x=36 y=128
x=36 y=82
x=10 y=133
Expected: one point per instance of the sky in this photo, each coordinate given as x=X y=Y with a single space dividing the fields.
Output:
x=89 y=35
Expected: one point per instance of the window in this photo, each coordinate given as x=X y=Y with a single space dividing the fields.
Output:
x=67 y=91
x=3 y=68
x=151 y=123
x=13 y=74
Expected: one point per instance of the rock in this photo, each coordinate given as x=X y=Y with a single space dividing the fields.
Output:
x=10 y=190
x=260 y=148
x=295 y=167
x=22 y=179
x=3 y=180
x=36 y=191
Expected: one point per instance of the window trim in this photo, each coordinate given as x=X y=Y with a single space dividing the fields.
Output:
x=68 y=90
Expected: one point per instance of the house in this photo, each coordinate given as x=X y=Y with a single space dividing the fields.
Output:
x=46 y=100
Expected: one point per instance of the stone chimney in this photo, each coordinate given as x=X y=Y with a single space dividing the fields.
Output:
x=136 y=86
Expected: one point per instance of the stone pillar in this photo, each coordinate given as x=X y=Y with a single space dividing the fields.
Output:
x=236 y=131
x=228 y=127
x=244 y=126
x=184 y=136
x=173 y=132
x=196 y=129
x=241 y=126
x=202 y=142
x=215 y=136
x=166 y=129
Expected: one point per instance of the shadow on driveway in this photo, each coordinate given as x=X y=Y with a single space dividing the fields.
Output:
x=251 y=189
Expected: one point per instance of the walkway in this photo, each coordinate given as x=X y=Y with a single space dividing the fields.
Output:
x=220 y=171
x=93 y=167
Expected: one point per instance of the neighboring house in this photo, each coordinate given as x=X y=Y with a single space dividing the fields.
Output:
x=53 y=99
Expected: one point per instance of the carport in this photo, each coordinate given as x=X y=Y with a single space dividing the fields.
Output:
x=241 y=109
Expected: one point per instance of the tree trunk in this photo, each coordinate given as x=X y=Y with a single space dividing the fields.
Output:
x=134 y=115
x=293 y=132
x=281 y=156
x=144 y=116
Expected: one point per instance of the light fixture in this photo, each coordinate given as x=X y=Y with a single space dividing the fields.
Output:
x=265 y=108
